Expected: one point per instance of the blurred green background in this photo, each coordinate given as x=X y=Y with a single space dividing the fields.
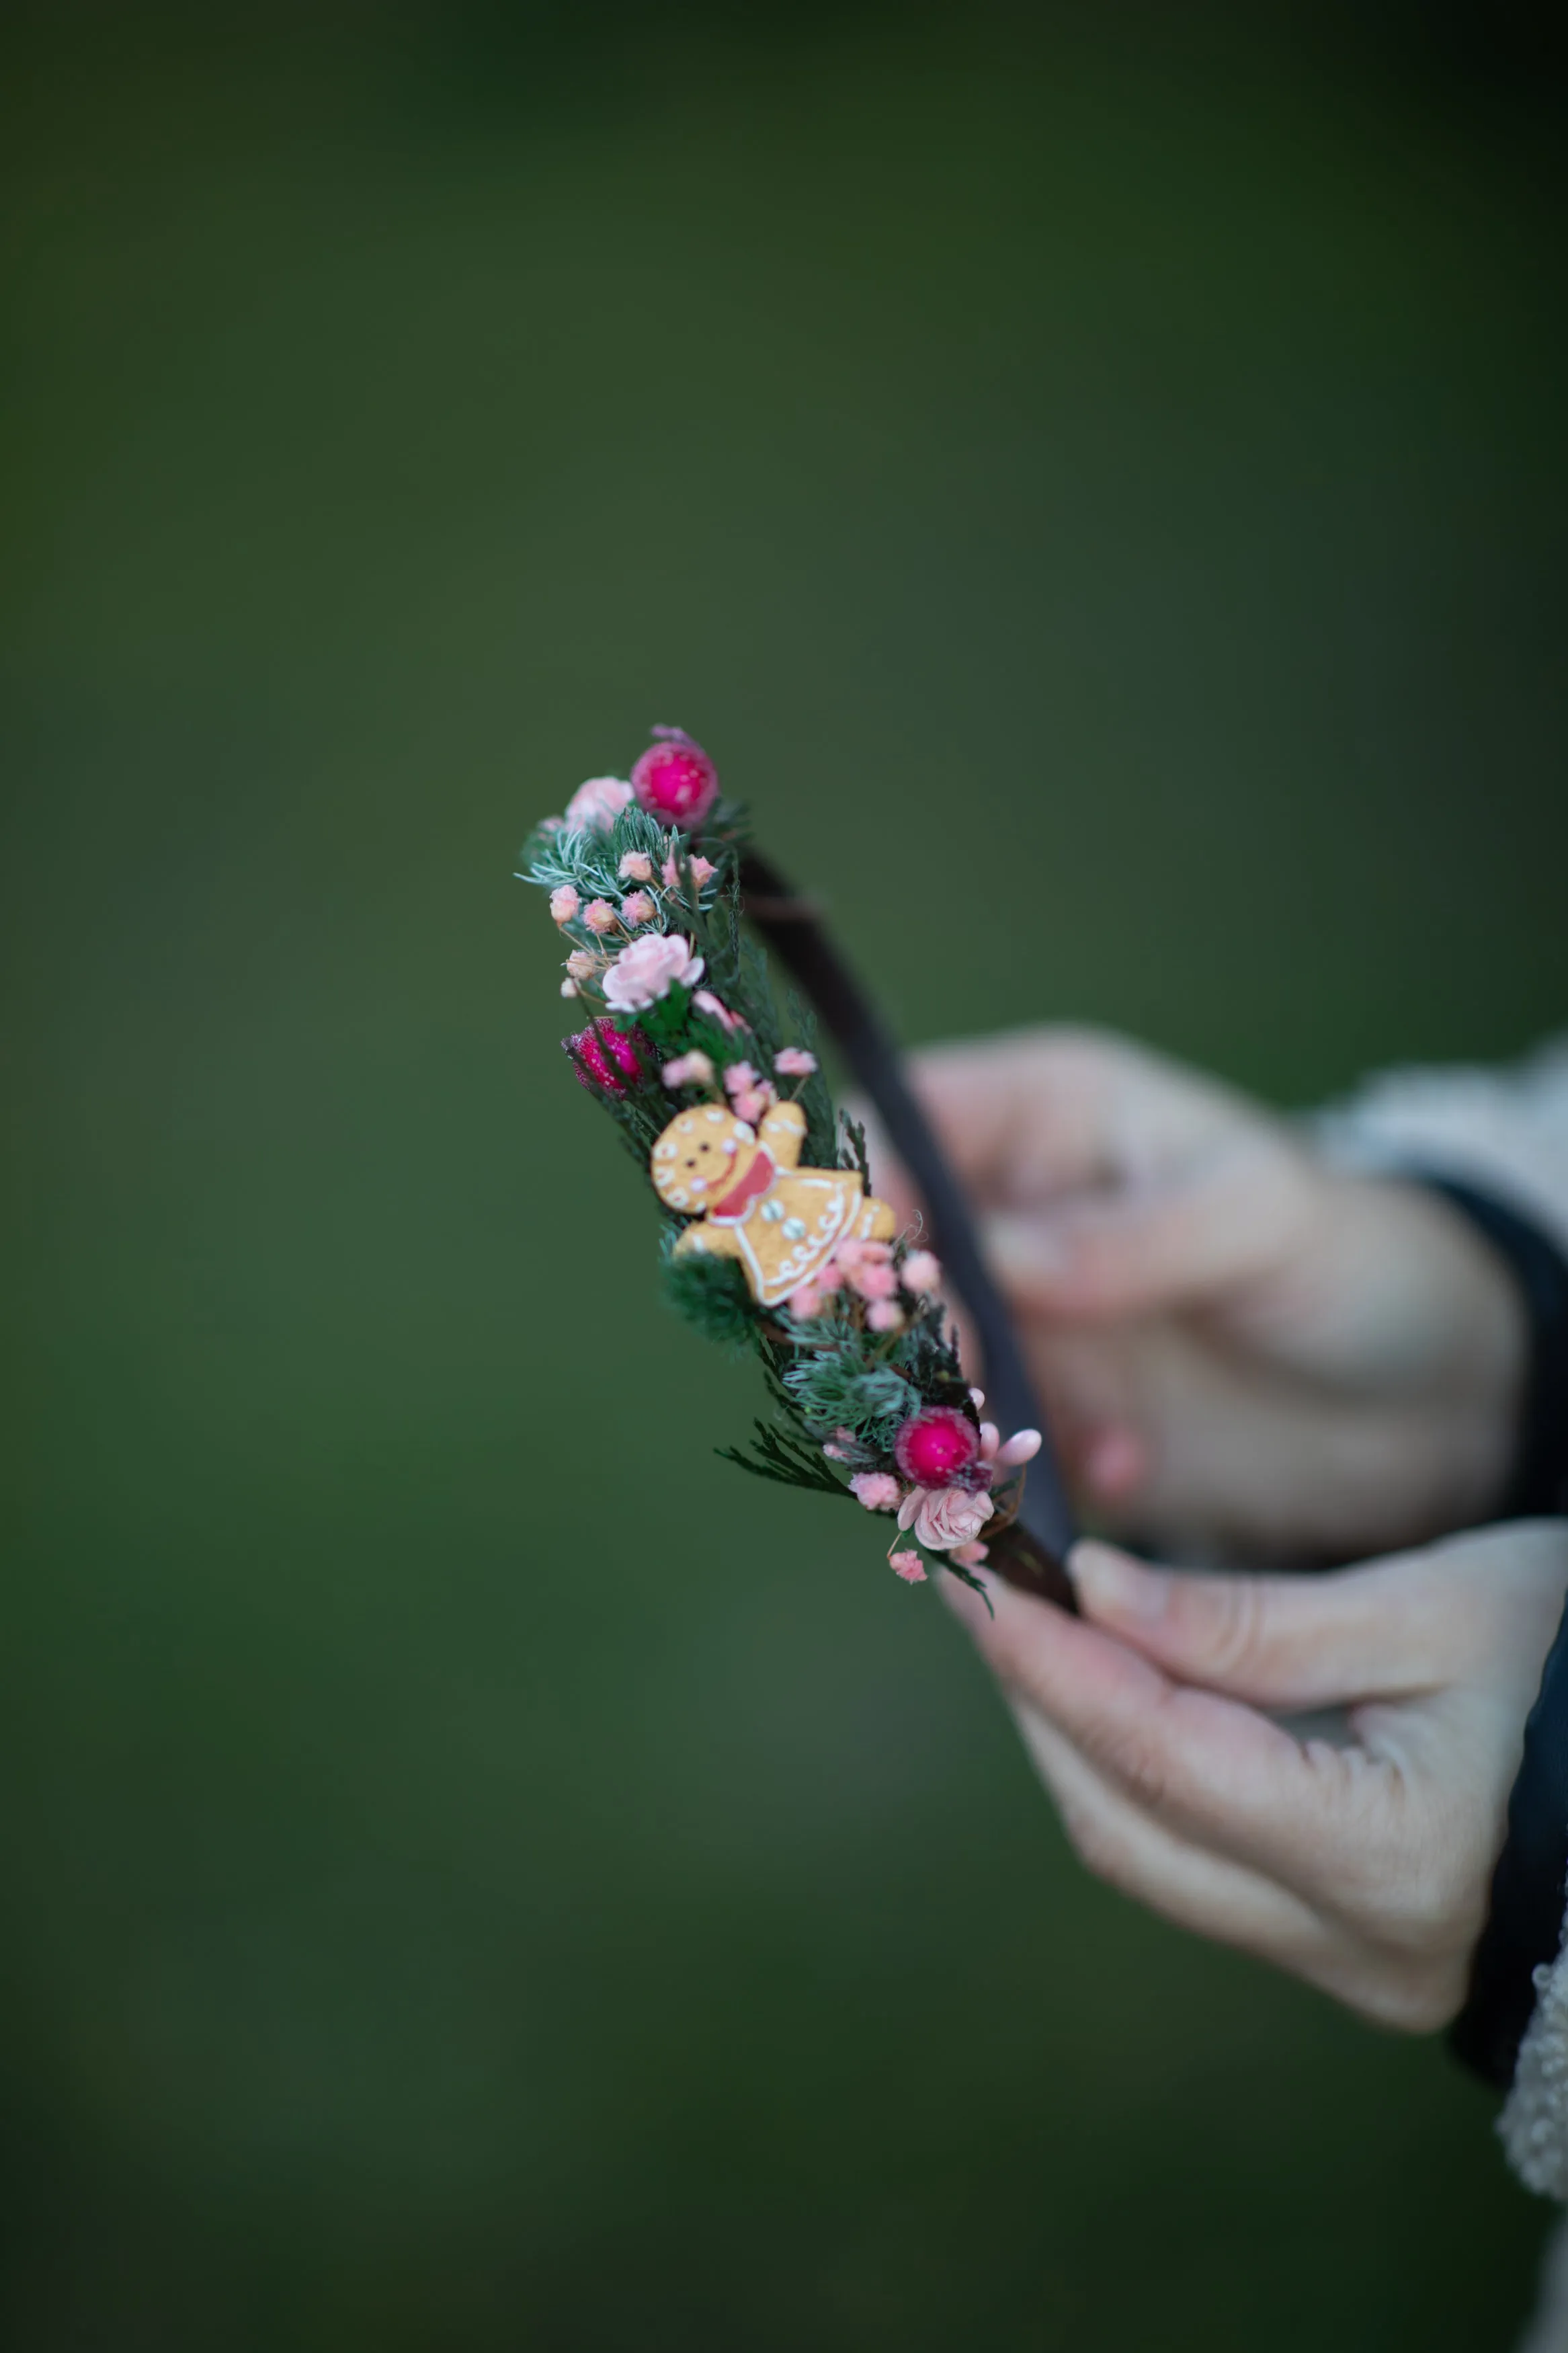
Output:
x=479 y=1873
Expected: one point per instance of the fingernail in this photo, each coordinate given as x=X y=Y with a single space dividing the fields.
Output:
x=1111 y=1586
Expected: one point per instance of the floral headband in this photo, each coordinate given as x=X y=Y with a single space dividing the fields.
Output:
x=774 y=1240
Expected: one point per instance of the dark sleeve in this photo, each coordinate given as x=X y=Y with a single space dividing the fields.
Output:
x=1524 y=1925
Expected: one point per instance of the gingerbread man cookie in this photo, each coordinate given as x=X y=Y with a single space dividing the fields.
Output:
x=748 y=1200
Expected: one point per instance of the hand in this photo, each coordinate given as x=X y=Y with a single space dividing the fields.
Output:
x=1240 y=1349
x=1363 y=1868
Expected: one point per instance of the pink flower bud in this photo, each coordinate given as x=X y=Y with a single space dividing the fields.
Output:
x=909 y=1566
x=738 y=1079
x=716 y=1010
x=637 y=866
x=793 y=1062
x=885 y=1315
x=599 y=916
x=563 y=903
x=751 y=1105
x=568 y=988
x=922 y=1272
x=581 y=964
x=877 y=1490
x=674 y=780
x=874 y=1281
x=805 y=1302
x=637 y=909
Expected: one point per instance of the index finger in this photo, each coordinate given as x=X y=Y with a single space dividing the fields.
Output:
x=1313 y=1819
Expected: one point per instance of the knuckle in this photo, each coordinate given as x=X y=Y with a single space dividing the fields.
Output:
x=1143 y=1770
x=1221 y=1622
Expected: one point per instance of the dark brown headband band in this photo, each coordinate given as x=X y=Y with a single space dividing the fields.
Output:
x=1030 y=1552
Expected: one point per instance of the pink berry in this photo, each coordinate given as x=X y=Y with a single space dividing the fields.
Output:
x=674 y=780
x=934 y=1446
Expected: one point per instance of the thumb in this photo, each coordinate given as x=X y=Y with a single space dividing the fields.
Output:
x=1277 y=1641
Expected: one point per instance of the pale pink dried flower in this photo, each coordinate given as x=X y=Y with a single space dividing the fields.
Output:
x=568 y=988
x=650 y=967
x=828 y=1277
x=637 y=866
x=805 y=1302
x=835 y=1453
x=563 y=903
x=885 y=1315
x=793 y=1062
x=879 y=1490
x=922 y=1272
x=600 y=916
x=702 y=871
x=595 y=805
x=693 y=1069
x=582 y=964
x=738 y=1079
x=639 y=908
x=752 y=1103
x=909 y=1566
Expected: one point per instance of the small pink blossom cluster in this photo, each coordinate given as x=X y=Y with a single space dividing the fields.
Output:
x=749 y=1096
x=868 y=1269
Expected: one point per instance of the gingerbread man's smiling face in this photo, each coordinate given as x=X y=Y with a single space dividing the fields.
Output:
x=700 y=1157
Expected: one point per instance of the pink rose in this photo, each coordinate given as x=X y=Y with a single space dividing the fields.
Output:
x=563 y=903
x=795 y=1062
x=648 y=968
x=877 y=1489
x=944 y=1516
x=595 y=807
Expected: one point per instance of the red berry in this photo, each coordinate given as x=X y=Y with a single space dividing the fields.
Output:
x=674 y=780
x=933 y=1447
